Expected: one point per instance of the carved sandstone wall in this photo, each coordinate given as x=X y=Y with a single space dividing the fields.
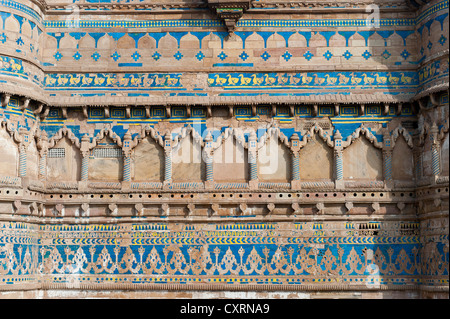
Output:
x=166 y=147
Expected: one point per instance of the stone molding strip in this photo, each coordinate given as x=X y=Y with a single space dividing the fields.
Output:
x=62 y=185
x=11 y=181
x=222 y=287
x=257 y=7
x=226 y=100
x=212 y=287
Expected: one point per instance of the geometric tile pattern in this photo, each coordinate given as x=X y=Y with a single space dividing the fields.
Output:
x=253 y=254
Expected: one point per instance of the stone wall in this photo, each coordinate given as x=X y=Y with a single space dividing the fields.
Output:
x=295 y=152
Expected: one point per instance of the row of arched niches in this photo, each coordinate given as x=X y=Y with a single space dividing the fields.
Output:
x=313 y=151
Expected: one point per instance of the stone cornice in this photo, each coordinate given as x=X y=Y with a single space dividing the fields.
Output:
x=255 y=7
x=226 y=100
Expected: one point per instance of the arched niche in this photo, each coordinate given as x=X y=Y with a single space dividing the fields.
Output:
x=50 y=44
x=187 y=162
x=26 y=29
x=316 y=160
x=276 y=41
x=11 y=24
x=147 y=42
x=254 y=41
x=32 y=160
x=189 y=41
x=86 y=42
x=402 y=161
x=230 y=162
x=9 y=155
x=63 y=161
x=297 y=41
x=168 y=42
x=106 y=161
x=274 y=161
x=148 y=161
x=68 y=42
x=105 y=43
x=444 y=156
x=363 y=161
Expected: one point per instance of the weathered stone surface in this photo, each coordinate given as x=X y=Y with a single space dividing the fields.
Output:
x=363 y=161
x=148 y=161
x=316 y=160
x=159 y=149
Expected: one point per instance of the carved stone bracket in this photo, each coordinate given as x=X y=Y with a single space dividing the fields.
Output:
x=229 y=11
x=214 y=209
x=84 y=209
x=112 y=209
x=58 y=210
x=165 y=209
x=5 y=100
x=139 y=208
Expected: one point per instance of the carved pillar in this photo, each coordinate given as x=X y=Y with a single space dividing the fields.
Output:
x=22 y=161
x=295 y=148
x=387 y=159
x=42 y=164
x=126 y=149
x=25 y=140
x=435 y=151
x=84 y=158
x=5 y=100
x=252 y=160
x=338 y=159
x=208 y=158
x=168 y=158
x=43 y=151
x=387 y=165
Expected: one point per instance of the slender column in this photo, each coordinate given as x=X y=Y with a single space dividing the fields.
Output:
x=43 y=164
x=85 y=144
x=167 y=158
x=295 y=148
x=126 y=148
x=253 y=166
x=168 y=167
x=22 y=161
x=295 y=167
x=127 y=168
x=387 y=165
x=435 y=151
x=24 y=142
x=84 y=167
x=42 y=145
x=387 y=157
x=207 y=157
x=338 y=159
x=338 y=154
x=252 y=160
x=209 y=171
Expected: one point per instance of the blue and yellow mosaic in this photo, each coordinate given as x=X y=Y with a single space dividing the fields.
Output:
x=110 y=80
x=241 y=253
x=313 y=80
